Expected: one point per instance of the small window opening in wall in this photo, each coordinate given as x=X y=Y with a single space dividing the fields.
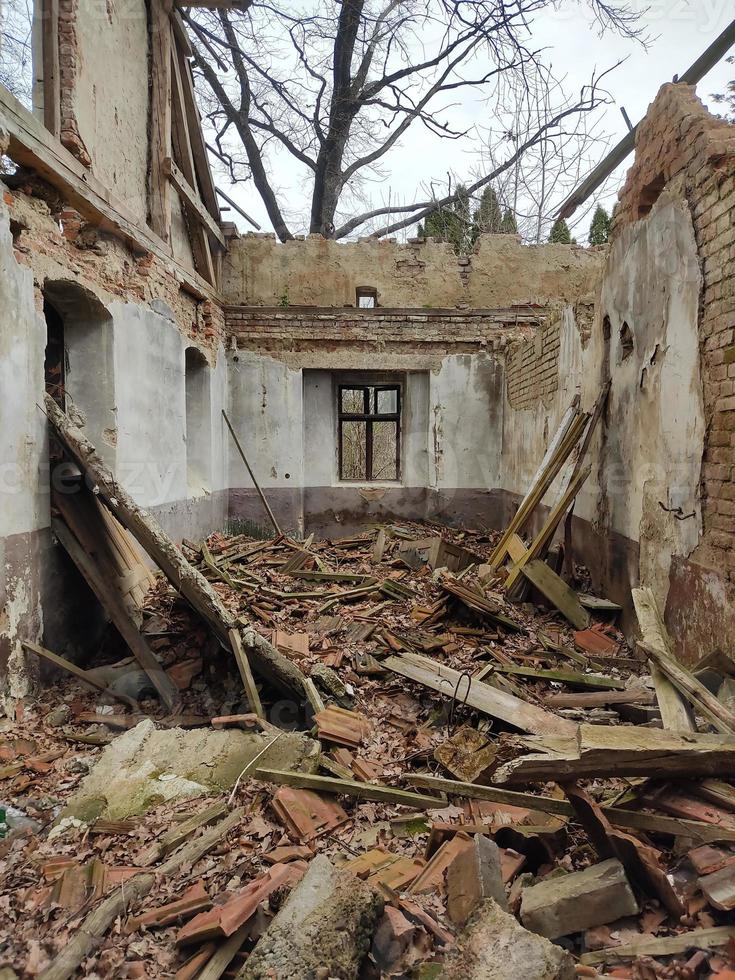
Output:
x=198 y=421
x=626 y=341
x=369 y=432
x=649 y=195
x=366 y=297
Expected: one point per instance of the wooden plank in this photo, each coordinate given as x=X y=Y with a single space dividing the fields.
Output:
x=516 y=548
x=198 y=146
x=687 y=685
x=664 y=946
x=601 y=750
x=181 y=144
x=490 y=700
x=542 y=540
x=179 y=833
x=32 y=146
x=599 y=699
x=556 y=591
x=564 y=440
x=243 y=665
x=192 y=200
x=570 y=677
x=159 y=189
x=347 y=787
x=67 y=665
x=184 y=577
x=51 y=70
x=675 y=712
x=120 y=616
x=631 y=819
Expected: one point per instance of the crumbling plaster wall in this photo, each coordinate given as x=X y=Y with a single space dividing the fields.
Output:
x=104 y=56
x=450 y=359
x=259 y=271
x=127 y=384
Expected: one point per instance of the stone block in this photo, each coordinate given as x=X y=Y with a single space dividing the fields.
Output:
x=473 y=876
x=494 y=946
x=582 y=900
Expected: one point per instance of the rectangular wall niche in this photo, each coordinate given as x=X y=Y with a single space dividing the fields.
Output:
x=198 y=422
x=369 y=432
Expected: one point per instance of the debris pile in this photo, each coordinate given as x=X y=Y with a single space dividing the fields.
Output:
x=462 y=788
x=414 y=752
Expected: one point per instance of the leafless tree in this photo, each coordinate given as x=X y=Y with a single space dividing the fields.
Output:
x=338 y=83
x=542 y=177
x=16 y=74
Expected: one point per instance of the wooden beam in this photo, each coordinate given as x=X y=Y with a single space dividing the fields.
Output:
x=33 y=147
x=153 y=539
x=556 y=590
x=51 y=71
x=236 y=206
x=181 y=144
x=542 y=540
x=489 y=700
x=193 y=201
x=196 y=135
x=347 y=787
x=115 y=609
x=631 y=819
x=675 y=712
x=159 y=188
x=83 y=675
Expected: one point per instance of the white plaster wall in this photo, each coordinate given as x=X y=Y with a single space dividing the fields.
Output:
x=265 y=407
x=24 y=499
x=654 y=430
x=466 y=422
x=656 y=416
x=150 y=405
x=23 y=451
x=111 y=95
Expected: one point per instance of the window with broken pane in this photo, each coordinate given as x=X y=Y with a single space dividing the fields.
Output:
x=369 y=424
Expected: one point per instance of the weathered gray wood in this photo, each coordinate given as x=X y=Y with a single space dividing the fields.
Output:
x=246 y=673
x=600 y=751
x=346 y=787
x=693 y=690
x=490 y=700
x=91 y=932
x=87 y=676
x=192 y=585
x=630 y=819
x=675 y=713
x=598 y=699
x=114 y=607
x=570 y=677
x=556 y=590
x=665 y=946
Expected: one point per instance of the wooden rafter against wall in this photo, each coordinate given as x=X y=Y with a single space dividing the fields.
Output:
x=51 y=70
x=32 y=146
x=160 y=149
x=198 y=144
x=182 y=150
x=194 y=202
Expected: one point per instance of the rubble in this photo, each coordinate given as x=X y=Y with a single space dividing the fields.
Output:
x=444 y=782
x=494 y=946
x=324 y=929
x=146 y=766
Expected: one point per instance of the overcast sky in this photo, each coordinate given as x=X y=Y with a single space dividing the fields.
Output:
x=679 y=31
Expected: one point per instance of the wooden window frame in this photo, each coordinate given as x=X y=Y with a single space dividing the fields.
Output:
x=369 y=418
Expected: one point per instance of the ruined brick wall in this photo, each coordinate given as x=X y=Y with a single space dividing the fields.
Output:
x=532 y=368
x=679 y=140
x=320 y=331
x=422 y=274
x=56 y=244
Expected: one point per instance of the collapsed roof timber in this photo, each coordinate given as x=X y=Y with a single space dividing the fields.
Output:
x=365 y=607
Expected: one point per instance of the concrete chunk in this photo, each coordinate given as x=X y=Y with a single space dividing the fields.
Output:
x=494 y=946
x=561 y=906
x=474 y=875
x=324 y=929
x=147 y=766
